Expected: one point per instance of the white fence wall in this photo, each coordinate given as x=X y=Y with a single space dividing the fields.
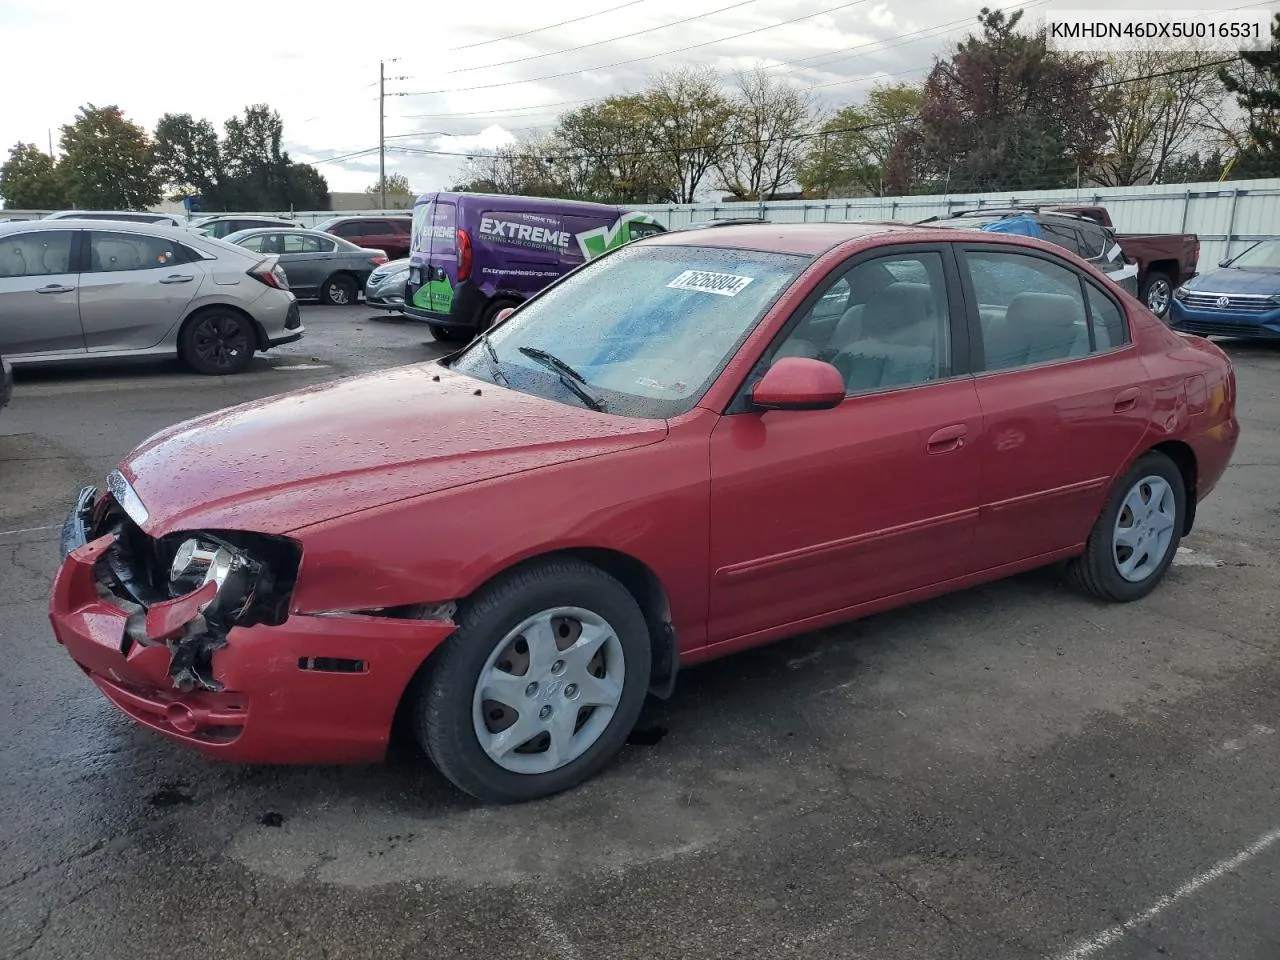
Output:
x=1226 y=216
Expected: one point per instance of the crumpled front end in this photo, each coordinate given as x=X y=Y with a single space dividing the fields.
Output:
x=191 y=634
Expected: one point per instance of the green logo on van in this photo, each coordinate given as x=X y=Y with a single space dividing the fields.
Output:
x=601 y=240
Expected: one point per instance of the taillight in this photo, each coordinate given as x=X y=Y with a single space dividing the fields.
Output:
x=377 y=261
x=273 y=276
x=464 y=255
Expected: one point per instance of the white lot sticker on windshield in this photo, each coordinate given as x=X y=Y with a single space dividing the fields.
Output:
x=724 y=284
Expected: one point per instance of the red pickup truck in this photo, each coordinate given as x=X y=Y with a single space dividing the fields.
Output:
x=1165 y=260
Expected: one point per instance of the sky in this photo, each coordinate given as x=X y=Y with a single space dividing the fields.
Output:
x=459 y=79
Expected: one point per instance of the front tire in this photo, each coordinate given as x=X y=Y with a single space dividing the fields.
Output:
x=217 y=342
x=538 y=688
x=1134 y=540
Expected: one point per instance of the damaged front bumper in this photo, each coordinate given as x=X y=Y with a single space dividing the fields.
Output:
x=307 y=689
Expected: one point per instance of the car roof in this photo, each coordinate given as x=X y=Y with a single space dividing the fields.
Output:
x=282 y=228
x=114 y=226
x=809 y=239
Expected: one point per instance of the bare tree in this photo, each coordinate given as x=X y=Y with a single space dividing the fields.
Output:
x=765 y=137
x=689 y=116
x=1159 y=106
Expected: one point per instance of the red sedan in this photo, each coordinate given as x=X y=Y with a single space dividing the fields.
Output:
x=703 y=441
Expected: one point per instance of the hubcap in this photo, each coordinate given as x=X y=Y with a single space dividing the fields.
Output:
x=220 y=341
x=1144 y=528
x=338 y=293
x=548 y=690
x=1158 y=297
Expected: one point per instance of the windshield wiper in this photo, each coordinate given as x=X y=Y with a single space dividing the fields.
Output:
x=492 y=356
x=570 y=377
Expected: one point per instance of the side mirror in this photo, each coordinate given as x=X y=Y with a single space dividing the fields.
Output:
x=503 y=314
x=1224 y=262
x=799 y=383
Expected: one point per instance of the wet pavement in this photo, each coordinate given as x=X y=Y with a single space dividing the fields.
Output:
x=1013 y=771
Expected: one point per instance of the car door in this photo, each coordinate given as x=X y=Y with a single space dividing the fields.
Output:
x=39 y=300
x=307 y=260
x=1061 y=389
x=814 y=512
x=134 y=288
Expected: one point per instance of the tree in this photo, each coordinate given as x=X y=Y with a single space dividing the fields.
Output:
x=255 y=161
x=526 y=168
x=851 y=156
x=305 y=188
x=765 y=136
x=1193 y=168
x=107 y=161
x=30 y=180
x=604 y=152
x=1157 y=108
x=1004 y=112
x=688 y=118
x=397 y=185
x=189 y=158
x=1256 y=85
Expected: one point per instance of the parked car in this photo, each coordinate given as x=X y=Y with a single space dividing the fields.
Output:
x=647 y=465
x=1240 y=299
x=317 y=264
x=385 y=287
x=390 y=233
x=1165 y=260
x=116 y=216
x=476 y=254
x=1088 y=240
x=6 y=380
x=90 y=290
x=221 y=227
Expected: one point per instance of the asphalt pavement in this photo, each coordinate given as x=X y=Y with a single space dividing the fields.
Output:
x=1010 y=772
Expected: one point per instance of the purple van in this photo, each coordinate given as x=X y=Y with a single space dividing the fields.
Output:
x=474 y=254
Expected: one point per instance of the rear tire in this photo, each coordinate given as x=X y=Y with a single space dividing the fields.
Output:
x=556 y=653
x=217 y=342
x=1134 y=540
x=491 y=311
x=449 y=334
x=339 y=291
x=1157 y=292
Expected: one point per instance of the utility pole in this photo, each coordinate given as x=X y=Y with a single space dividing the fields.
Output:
x=382 y=138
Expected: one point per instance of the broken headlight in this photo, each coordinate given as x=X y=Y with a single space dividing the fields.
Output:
x=234 y=572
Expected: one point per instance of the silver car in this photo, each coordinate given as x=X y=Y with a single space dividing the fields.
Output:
x=127 y=216
x=318 y=264
x=221 y=227
x=384 y=289
x=90 y=290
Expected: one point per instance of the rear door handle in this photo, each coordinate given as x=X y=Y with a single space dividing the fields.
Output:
x=947 y=439
x=1127 y=399
x=55 y=288
x=177 y=278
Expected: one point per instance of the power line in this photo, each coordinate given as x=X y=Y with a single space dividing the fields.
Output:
x=596 y=43
x=860 y=128
x=839 y=55
x=653 y=56
x=550 y=26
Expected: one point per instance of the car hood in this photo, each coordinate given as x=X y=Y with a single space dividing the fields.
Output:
x=1233 y=280
x=286 y=462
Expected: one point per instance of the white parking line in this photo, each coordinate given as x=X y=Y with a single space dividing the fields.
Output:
x=10 y=533
x=1090 y=947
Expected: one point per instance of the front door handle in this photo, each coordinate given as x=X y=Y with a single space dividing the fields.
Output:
x=55 y=288
x=1127 y=399
x=177 y=278
x=947 y=439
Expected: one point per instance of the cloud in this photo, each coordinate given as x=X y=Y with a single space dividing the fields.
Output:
x=208 y=66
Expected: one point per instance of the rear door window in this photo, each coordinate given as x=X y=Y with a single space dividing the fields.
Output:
x=112 y=252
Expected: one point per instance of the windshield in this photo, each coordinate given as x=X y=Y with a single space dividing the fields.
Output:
x=647 y=328
x=1265 y=254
